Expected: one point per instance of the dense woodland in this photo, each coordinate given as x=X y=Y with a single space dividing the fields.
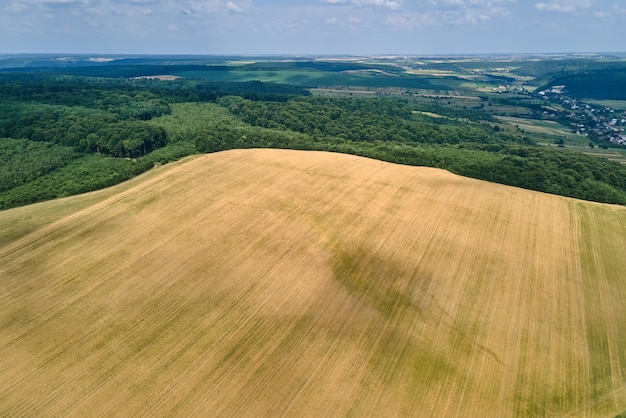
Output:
x=608 y=84
x=66 y=134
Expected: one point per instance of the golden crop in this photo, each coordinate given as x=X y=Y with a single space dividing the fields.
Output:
x=273 y=282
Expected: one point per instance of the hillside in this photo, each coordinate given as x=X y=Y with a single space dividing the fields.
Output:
x=275 y=282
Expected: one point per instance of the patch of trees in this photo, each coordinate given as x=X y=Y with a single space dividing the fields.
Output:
x=548 y=68
x=500 y=78
x=125 y=139
x=363 y=120
x=133 y=98
x=22 y=160
x=562 y=172
x=86 y=130
x=90 y=172
x=34 y=181
x=60 y=125
x=119 y=98
x=602 y=84
x=529 y=103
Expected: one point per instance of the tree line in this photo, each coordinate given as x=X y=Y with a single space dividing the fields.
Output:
x=366 y=120
x=74 y=135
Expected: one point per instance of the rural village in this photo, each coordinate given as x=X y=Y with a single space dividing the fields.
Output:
x=587 y=119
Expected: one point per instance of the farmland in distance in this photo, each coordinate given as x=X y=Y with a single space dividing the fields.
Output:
x=275 y=282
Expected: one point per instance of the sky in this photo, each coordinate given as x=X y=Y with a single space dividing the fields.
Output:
x=312 y=27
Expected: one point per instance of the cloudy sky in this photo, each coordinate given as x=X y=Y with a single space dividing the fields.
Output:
x=312 y=26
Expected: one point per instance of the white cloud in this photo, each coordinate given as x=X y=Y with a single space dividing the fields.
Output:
x=350 y=20
x=555 y=7
x=198 y=8
x=140 y=2
x=56 y=2
x=384 y=4
x=460 y=12
x=563 y=6
x=441 y=4
x=387 y=4
x=17 y=7
x=234 y=7
x=410 y=21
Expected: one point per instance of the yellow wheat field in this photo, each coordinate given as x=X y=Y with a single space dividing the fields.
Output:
x=289 y=283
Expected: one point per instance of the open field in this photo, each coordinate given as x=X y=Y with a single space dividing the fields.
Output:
x=312 y=78
x=432 y=115
x=434 y=73
x=610 y=154
x=354 y=91
x=615 y=104
x=298 y=77
x=538 y=126
x=158 y=77
x=275 y=282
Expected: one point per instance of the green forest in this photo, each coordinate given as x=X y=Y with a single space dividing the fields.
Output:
x=63 y=134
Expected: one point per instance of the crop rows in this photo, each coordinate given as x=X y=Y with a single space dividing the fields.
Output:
x=274 y=282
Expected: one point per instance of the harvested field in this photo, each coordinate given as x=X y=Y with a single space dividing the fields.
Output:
x=538 y=126
x=290 y=283
x=159 y=77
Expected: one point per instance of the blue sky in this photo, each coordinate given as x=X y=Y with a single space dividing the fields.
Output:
x=356 y=27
